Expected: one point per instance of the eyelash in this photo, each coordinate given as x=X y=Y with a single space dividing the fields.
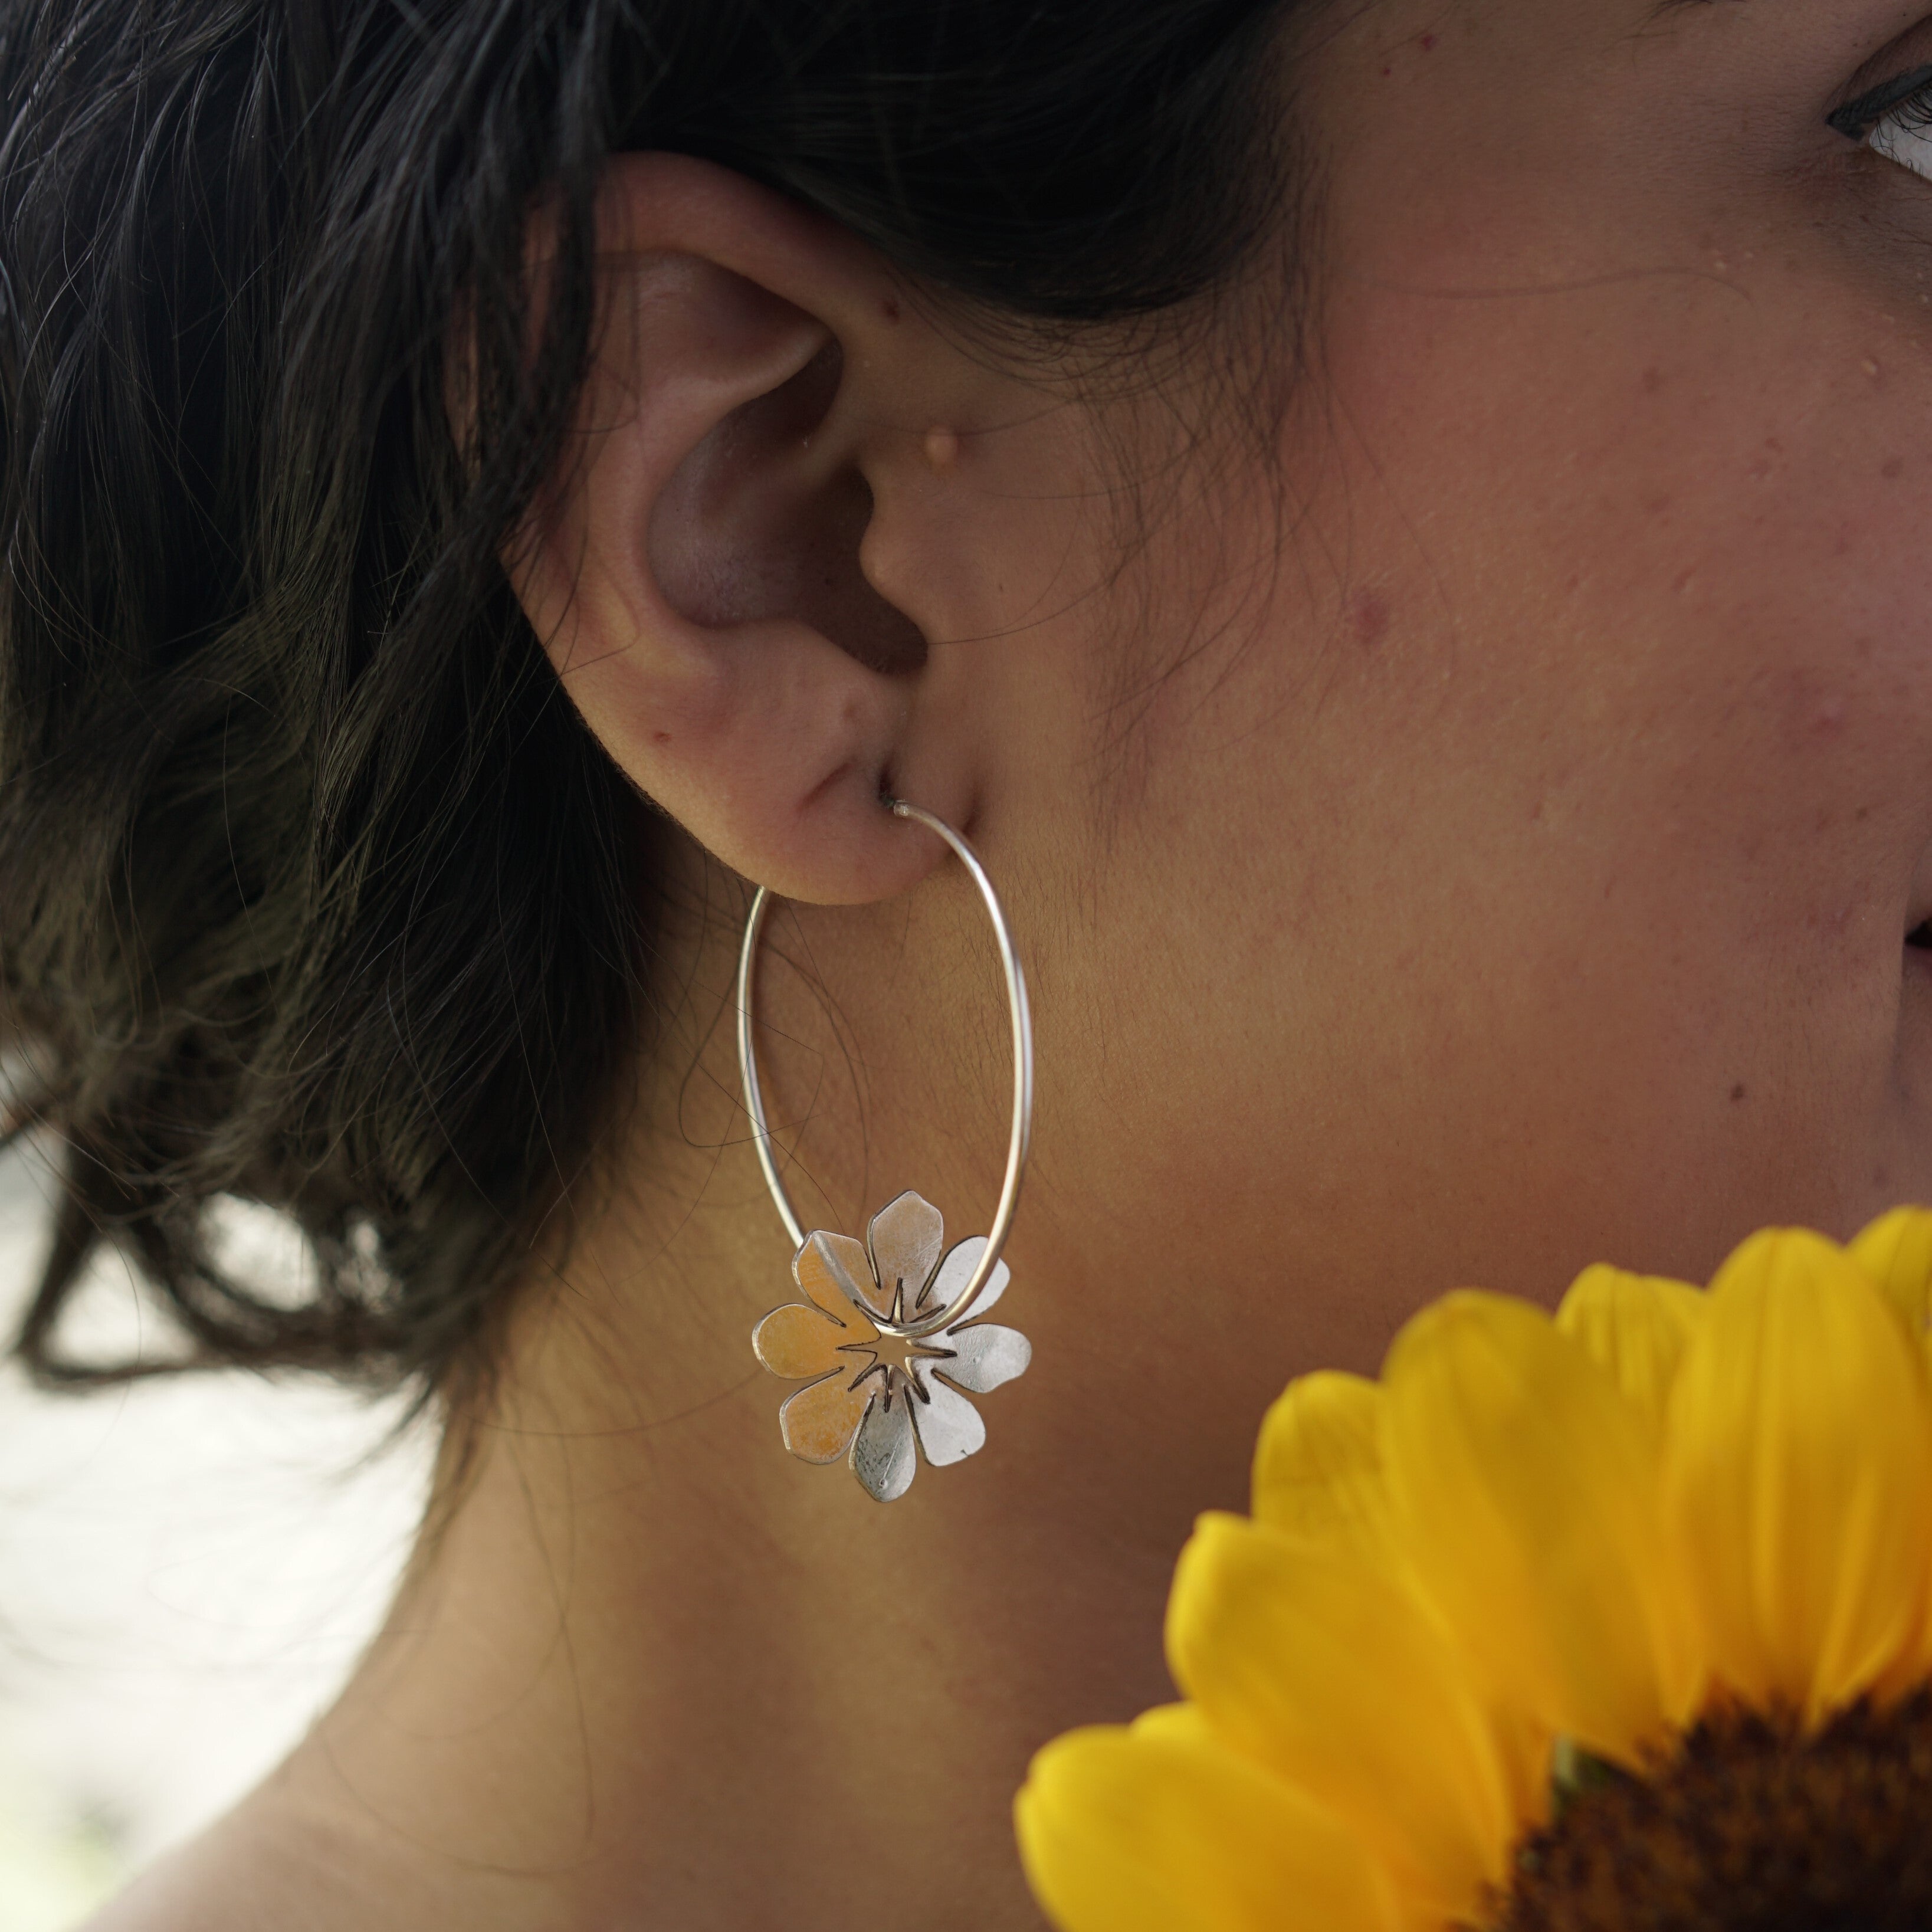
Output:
x=1907 y=98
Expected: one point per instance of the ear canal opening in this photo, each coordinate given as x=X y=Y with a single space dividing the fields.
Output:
x=752 y=526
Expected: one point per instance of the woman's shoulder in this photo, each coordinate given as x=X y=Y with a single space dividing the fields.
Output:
x=271 y=1867
x=251 y=1871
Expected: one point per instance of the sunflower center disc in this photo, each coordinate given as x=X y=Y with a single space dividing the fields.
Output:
x=1747 y=1827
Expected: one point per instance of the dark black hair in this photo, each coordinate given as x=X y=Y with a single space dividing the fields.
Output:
x=314 y=889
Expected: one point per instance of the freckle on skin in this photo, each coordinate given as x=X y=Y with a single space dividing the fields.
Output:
x=1737 y=1091
x=1428 y=44
x=1893 y=466
x=942 y=447
x=891 y=308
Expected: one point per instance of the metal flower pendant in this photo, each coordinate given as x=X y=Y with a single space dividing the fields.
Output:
x=887 y=1382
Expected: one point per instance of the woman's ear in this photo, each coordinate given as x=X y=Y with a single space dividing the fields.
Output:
x=710 y=573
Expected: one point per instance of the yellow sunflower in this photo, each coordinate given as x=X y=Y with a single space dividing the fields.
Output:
x=1619 y=1619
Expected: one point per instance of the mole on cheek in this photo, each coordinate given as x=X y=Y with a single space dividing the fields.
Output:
x=1368 y=618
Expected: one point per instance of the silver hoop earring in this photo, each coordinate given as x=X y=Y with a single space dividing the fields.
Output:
x=889 y=1342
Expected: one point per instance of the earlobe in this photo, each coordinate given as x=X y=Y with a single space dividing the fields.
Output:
x=698 y=577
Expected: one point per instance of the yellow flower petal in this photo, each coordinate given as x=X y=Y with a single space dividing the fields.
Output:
x=819 y=1422
x=1526 y=1487
x=797 y=1341
x=1637 y=1326
x=1798 y=1475
x=1163 y=1829
x=1318 y=1466
x=1896 y=1251
x=1313 y=1659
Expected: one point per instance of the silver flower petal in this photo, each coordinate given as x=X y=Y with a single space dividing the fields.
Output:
x=904 y=1239
x=983 y=1356
x=955 y=1272
x=884 y=1458
x=949 y=1427
x=841 y=1262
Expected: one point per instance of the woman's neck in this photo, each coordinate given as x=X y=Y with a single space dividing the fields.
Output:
x=652 y=1672
x=655 y=1673
x=648 y=1670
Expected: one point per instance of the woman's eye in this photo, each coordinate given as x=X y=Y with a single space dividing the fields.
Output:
x=1905 y=135
x=1894 y=120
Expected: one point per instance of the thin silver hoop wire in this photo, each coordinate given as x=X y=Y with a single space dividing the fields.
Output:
x=1022 y=1130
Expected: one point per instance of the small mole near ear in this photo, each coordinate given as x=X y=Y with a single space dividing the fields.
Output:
x=942 y=447
x=1738 y=1092
x=1368 y=616
x=889 y=307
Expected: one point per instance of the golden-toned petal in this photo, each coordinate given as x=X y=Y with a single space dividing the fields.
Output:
x=1526 y=1487
x=903 y=1241
x=1896 y=1251
x=1637 y=1326
x=799 y=1342
x=1313 y=1659
x=1318 y=1466
x=832 y=1270
x=1163 y=1829
x=819 y=1422
x=1798 y=1475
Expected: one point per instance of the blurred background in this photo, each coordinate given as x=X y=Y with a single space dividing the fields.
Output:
x=188 y=1568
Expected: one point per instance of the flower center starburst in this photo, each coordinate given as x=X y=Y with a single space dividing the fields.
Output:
x=891 y=1357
